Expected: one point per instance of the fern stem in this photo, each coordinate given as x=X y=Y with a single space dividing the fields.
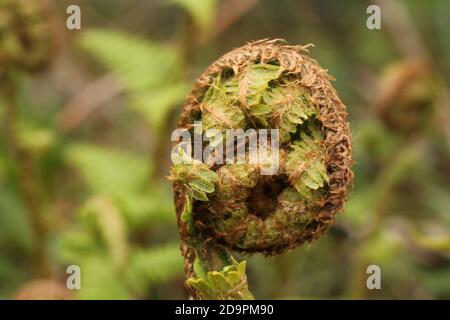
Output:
x=26 y=173
x=209 y=276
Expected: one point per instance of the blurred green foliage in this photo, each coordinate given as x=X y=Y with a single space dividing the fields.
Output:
x=102 y=188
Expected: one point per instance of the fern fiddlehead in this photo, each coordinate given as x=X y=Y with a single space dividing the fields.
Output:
x=265 y=84
x=27 y=45
x=28 y=40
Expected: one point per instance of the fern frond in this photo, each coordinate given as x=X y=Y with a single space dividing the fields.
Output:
x=146 y=209
x=202 y=11
x=195 y=176
x=253 y=83
x=152 y=266
x=305 y=164
x=100 y=280
x=291 y=107
x=106 y=170
x=111 y=225
x=138 y=63
x=227 y=284
x=156 y=103
x=219 y=110
x=151 y=72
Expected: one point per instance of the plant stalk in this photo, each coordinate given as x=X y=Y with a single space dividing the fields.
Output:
x=25 y=171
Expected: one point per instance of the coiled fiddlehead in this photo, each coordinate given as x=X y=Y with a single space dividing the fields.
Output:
x=27 y=34
x=406 y=98
x=233 y=206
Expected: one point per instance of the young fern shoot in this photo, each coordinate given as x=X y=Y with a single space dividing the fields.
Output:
x=235 y=205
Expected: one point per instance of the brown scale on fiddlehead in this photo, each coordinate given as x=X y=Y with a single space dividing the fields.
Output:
x=233 y=206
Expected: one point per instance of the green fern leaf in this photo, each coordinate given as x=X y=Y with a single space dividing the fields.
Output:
x=146 y=209
x=156 y=104
x=305 y=164
x=149 y=71
x=227 y=284
x=138 y=63
x=108 y=171
x=220 y=111
x=255 y=82
x=110 y=223
x=291 y=107
x=100 y=281
x=196 y=176
x=202 y=11
x=153 y=266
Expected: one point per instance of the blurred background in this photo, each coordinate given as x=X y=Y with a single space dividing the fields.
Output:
x=85 y=143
